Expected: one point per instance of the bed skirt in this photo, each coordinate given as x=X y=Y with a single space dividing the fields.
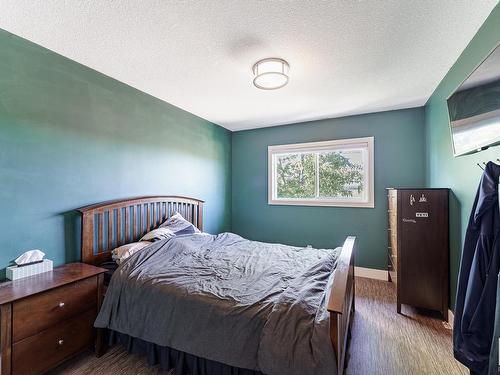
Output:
x=168 y=358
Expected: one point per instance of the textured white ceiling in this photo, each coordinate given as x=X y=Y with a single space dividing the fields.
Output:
x=346 y=57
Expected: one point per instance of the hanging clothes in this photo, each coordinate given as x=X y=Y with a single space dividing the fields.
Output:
x=477 y=281
x=494 y=367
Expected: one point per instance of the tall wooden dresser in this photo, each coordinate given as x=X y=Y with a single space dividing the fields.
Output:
x=418 y=249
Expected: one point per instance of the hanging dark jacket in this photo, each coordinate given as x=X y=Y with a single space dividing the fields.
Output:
x=477 y=281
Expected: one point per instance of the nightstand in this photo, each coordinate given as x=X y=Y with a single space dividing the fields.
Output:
x=48 y=318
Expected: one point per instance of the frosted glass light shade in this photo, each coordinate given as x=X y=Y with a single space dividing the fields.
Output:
x=271 y=73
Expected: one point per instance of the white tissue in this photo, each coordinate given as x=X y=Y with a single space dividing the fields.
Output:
x=30 y=257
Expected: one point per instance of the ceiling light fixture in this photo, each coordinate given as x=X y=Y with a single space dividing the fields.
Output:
x=270 y=73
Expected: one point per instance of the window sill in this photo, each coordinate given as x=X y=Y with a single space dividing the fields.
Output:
x=283 y=202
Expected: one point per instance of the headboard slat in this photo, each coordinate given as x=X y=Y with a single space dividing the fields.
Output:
x=156 y=209
x=118 y=227
x=110 y=228
x=140 y=210
x=127 y=225
x=155 y=214
x=134 y=221
x=100 y=224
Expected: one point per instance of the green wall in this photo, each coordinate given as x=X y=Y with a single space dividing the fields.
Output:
x=399 y=161
x=70 y=136
x=461 y=174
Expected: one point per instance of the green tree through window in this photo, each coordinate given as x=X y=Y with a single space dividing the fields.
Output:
x=296 y=175
x=340 y=176
x=327 y=173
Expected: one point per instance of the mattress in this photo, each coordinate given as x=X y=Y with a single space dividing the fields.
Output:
x=247 y=304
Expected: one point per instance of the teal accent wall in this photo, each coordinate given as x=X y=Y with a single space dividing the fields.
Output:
x=399 y=161
x=70 y=136
x=461 y=174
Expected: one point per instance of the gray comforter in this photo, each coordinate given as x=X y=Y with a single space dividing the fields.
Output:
x=247 y=304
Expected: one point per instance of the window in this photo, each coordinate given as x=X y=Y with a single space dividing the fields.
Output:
x=331 y=173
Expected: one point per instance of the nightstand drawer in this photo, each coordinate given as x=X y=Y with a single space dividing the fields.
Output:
x=41 y=352
x=36 y=313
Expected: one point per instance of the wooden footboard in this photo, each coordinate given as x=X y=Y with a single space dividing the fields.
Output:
x=341 y=302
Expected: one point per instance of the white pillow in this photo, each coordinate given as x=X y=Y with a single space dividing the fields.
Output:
x=178 y=225
x=123 y=252
x=158 y=235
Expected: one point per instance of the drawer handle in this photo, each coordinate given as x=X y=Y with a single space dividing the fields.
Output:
x=61 y=342
x=61 y=304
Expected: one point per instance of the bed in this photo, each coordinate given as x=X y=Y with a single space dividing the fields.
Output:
x=329 y=273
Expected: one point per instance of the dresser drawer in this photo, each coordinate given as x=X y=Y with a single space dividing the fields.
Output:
x=393 y=256
x=394 y=262
x=392 y=271
x=393 y=275
x=393 y=243
x=36 y=313
x=41 y=352
x=392 y=198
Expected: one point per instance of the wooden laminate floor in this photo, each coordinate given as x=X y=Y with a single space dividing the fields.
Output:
x=383 y=342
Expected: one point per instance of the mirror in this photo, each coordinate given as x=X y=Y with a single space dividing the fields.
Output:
x=474 y=108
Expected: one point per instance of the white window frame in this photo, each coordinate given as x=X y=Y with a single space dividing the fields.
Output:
x=367 y=142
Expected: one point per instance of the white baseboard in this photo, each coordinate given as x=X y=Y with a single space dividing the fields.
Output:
x=371 y=273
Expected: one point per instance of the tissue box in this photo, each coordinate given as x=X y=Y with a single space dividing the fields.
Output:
x=15 y=272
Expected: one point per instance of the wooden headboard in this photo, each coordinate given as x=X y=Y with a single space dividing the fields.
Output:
x=108 y=225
